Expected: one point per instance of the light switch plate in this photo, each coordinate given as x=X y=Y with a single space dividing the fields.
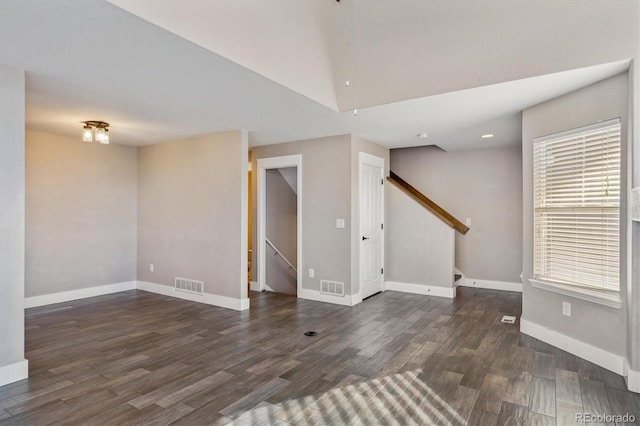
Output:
x=566 y=309
x=340 y=223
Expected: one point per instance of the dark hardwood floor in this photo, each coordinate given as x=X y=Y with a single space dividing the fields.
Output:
x=141 y=358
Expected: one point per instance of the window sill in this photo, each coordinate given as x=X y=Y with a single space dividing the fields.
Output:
x=609 y=299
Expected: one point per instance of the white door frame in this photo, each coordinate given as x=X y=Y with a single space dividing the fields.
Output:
x=263 y=165
x=364 y=158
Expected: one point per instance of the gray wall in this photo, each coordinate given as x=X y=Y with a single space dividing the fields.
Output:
x=282 y=231
x=80 y=214
x=326 y=174
x=591 y=323
x=11 y=215
x=330 y=191
x=420 y=246
x=191 y=208
x=484 y=185
x=358 y=145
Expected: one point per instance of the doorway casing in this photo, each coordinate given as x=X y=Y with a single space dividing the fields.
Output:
x=265 y=164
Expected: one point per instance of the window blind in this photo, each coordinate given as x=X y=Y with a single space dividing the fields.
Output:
x=577 y=206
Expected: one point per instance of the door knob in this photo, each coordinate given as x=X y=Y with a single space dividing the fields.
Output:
x=365 y=238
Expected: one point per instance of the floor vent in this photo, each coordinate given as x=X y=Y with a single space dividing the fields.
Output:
x=508 y=319
x=189 y=286
x=335 y=288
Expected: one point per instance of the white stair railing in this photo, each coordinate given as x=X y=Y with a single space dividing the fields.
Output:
x=279 y=253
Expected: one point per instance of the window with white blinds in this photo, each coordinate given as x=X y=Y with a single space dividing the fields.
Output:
x=577 y=207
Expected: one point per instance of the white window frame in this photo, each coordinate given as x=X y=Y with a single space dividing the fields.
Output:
x=607 y=297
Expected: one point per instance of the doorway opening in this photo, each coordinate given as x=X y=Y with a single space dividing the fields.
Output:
x=280 y=224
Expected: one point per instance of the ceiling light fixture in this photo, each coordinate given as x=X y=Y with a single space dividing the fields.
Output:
x=95 y=131
x=487 y=136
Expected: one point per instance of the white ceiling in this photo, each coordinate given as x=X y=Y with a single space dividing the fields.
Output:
x=287 y=41
x=393 y=50
x=93 y=60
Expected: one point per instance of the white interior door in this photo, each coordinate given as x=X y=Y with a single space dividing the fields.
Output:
x=371 y=224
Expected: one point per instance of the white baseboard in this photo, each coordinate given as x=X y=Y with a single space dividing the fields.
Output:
x=66 y=296
x=209 y=299
x=429 y=290
x=316 y=296
x=244 y=304
x=491 y=285
x=356 y=299
x=83 y=293
x=632 y=377
x=14 y=372
x=346 y=300
x=604 y=359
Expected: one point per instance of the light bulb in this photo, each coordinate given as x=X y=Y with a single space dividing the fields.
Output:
x=101 y=135
x=87 y=134
x=106 y=137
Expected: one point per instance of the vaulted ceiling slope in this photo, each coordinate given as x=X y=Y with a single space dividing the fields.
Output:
x=394 y=50
x=166 y=70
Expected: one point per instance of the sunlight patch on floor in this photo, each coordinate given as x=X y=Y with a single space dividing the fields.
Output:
x=402 y=398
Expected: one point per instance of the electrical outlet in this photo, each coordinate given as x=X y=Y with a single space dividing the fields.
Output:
x=340 y=223
x=312 y=273
x=566 y=309
x=151 y=267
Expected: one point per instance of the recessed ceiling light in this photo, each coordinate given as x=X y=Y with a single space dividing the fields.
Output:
x=422 y=135
x=487 y=136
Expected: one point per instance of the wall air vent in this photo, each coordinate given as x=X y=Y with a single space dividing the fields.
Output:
x=189 y=286
x=334 y=288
